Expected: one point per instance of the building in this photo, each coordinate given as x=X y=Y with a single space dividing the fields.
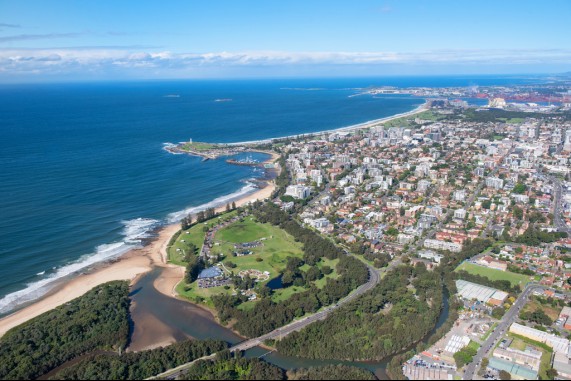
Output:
x=423 y=185
x=430 y=255
x=492 y=263
x=559 y=344
x=442 y=245
x=459 y=195
x=404 y=239
x=529 y=358
x=298 y=191
x=494 y=182
x=473 y=291
x=497 y=103
x=565 y=316
x=517 y=372
x=460 y=214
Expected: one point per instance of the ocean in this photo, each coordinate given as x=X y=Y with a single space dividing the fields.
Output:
x=84 y=176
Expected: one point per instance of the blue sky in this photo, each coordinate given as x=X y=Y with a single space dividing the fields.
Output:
x=73 y=40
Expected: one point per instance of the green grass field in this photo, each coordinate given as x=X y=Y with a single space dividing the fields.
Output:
x=201 y=295
x=198 y=146
x=193 y=235
x=276 y=246
x=473 y=345
x=512 y=120
x=492 y=274
x=246 y=231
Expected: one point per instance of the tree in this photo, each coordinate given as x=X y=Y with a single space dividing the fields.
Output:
x=228 y=207
x=551 y=374
x=505 y=375
x=200 y=217
x=483 y=366
x=194 y=267
x=518 y=213
x=498 y=313
x=233 y=205
x=519 y=188
x=326 y=270
x=186 y=222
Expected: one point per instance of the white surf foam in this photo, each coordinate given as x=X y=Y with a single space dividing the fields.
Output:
x=138 y=229
x=166 y=147
x=134 y=231
x=222 y=200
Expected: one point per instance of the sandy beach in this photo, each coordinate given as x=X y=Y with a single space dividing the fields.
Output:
x=130 y=266
x=352 y=128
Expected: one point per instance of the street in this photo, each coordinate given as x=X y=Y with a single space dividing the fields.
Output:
x=504 y=324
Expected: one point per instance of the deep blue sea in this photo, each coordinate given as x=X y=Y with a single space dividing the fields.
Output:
x=83 y=173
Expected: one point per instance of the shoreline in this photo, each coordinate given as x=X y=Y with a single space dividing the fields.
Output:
x=130 y=266
x=355 y=127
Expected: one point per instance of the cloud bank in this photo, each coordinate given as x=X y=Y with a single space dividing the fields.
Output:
x=102 y=60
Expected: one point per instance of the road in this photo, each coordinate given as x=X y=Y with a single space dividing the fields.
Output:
x=504 y=324
x=374 y=279
x=558 y=220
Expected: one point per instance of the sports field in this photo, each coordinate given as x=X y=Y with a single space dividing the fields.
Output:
x=493 y=274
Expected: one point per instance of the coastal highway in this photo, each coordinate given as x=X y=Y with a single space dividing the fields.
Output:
x=504 y=324
x=374 y=279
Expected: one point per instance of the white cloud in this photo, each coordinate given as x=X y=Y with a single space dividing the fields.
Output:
x=101 y=59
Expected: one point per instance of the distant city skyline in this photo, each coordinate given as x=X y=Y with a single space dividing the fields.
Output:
x=68 y=40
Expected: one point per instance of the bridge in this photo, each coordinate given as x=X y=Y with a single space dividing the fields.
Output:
x=298 y=325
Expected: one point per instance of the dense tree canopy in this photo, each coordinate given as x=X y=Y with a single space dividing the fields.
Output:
x=331 y=372
x=96 y=320
x=226 y=367
x=395 y=314
x=267 y=315
x=139 y=365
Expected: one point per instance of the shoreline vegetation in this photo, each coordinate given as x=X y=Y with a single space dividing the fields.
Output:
x=137 y=262
x=128 y=267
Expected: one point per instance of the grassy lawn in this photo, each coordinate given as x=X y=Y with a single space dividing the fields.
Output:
x=276 y=246
x=247 y=306
x=473 y=345
x=552 y=312
x=198 y=146
x=193 y=235
x=487 y=334
x=193 y=293
x=365 y=261
x=332 y=263
x=285 y=293
x=492 y=274
x=512 y=120
x=271 y=256
x=428 y=115
x=247 y=231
